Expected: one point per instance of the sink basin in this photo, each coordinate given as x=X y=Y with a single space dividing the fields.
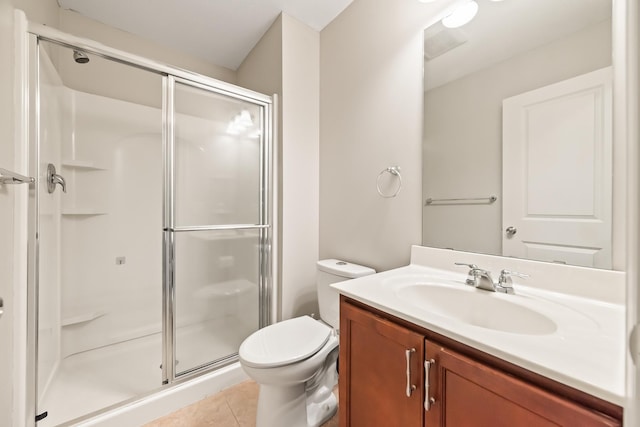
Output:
x=477 y=307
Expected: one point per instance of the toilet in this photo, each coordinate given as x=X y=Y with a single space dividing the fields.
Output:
x=294 y=361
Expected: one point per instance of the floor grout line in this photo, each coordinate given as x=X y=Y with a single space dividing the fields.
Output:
x=233 y=412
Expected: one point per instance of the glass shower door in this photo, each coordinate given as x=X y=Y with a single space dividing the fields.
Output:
x=150 y=261
x=217 y=224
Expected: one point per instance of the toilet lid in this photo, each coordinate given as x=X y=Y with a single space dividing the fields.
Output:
x=284 y=342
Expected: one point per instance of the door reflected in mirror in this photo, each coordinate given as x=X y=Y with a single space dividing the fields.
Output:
x=518 y=154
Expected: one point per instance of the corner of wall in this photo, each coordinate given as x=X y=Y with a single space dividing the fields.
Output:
x=41 y=11
x=286 y=61
x=300 y=166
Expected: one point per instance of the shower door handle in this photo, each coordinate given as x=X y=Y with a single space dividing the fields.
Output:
x=1 y=307
x=53 y=178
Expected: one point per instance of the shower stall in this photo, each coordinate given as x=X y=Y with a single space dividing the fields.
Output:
x=150 y=224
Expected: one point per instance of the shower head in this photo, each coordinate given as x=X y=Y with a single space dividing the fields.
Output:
x=80 y=57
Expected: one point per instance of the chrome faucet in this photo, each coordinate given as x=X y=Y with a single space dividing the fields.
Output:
x=505 y=284
x=479 y=277
x=482 y=279
x=472 y=278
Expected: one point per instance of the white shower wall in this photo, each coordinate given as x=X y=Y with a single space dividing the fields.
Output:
x=113 y=213
x=112 y=222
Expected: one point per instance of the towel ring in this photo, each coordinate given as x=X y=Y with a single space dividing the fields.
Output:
x=395 y=171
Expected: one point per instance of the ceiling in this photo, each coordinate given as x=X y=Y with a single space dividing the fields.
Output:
x=222 y=32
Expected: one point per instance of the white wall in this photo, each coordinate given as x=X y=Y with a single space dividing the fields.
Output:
x=466 y=160
x=371 y=118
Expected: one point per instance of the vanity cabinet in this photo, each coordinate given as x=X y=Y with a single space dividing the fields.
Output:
x=467 y=392
x=389 y=368
x=382 y=362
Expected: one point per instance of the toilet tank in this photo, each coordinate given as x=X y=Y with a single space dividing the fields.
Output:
x=332 y=271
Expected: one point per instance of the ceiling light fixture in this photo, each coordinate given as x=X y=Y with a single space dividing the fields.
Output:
x=461 y=15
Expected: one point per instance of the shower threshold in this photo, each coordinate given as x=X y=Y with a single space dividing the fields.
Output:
x=92 y=380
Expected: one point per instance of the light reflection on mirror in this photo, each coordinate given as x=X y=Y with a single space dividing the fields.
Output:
x=559 y=189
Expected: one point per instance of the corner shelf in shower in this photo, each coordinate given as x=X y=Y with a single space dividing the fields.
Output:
x=82 y=318
x=82 y=164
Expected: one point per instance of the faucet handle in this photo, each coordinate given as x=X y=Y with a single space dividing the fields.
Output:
x=471 y=266
x=505 y=284
x=473 y=273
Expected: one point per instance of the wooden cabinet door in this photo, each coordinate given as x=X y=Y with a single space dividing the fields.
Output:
x=380 y=364
x=468 y=393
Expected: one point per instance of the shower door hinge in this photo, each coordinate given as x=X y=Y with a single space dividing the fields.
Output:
x=42 y=416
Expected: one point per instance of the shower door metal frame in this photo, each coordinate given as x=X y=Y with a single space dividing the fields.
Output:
x=170 y=228
x=33 y=34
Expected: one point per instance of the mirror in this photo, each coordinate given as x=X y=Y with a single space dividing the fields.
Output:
x=518 y=154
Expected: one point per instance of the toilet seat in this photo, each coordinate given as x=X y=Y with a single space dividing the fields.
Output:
x=284 y=343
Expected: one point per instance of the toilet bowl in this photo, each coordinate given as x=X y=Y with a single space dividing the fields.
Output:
x=283 y=359
x=294 y=361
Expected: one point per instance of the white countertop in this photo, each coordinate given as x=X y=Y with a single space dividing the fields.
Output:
x=586 y=351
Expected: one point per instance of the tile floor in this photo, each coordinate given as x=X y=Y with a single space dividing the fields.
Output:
x=233 y=407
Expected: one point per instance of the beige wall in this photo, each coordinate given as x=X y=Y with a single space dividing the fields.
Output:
x=463 y=161
x=114 y=80
x=371 y=118
x=41 y=11
x=78 y=25
x=261 y=71
x=286 y=62
x=300 y=166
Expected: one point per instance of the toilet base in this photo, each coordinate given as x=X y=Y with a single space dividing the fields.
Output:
x=320 y=412
x=292 y=407
x=298 y=394
x=281 y=406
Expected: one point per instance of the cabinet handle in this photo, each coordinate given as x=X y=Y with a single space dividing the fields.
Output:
x=428 y=401
x=410 y=387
